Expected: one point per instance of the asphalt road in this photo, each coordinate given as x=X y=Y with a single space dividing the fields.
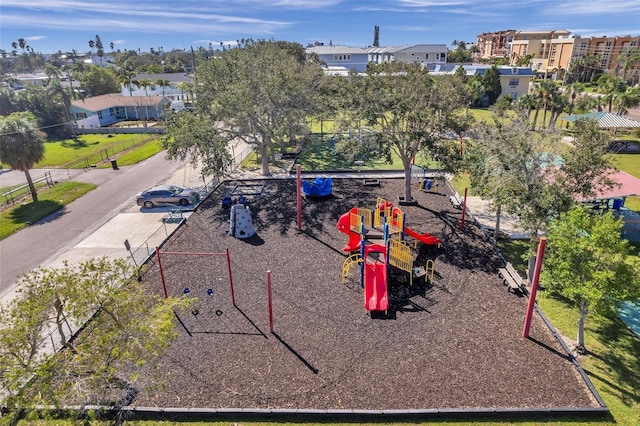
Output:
x=45 y=240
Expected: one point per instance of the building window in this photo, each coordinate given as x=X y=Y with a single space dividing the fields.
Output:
x=339 y=58
x=100 y=115
x=81 y=115
x=514 y=95
x=514 y=82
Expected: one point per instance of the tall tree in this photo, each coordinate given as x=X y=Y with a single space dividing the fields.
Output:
x=491 y=83
x=588 y=263
x=408 y=110
x=124 y=328
x=144 y=83
x=508 y=166
x=191 y=135
x=261 y=91
x=99 y=81
x=21 y=144
x=125 y=78
x=162 y=83
x=587 y=164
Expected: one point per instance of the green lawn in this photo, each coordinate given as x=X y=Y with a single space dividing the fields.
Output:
x=134 y=156
x=49 y=201
x=613 y=364
x=88 y=149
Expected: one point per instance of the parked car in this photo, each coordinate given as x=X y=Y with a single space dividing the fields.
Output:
x=167 y=195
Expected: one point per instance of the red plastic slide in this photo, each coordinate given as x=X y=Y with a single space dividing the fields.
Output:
x=375 y=287
x=427 y=239
x=375 y=280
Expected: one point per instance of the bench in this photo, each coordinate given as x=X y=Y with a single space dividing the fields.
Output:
x=174 y=216
x=511 y=278
x=456 y=201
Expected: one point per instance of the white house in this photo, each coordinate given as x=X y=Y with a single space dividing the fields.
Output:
x=351 y=58
x=418 y=53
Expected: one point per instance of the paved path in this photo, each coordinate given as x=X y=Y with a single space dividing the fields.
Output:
x=42 y=242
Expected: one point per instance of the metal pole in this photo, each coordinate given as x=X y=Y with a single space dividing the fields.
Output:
x=164 y=285
x=534 y=286
x=233 y=293
x=299 y=195
x=464 y=209
x=269 y=301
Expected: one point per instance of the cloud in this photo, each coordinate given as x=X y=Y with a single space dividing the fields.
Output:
x=35 y=38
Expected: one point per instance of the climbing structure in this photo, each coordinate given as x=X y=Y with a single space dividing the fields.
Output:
x=240 y=222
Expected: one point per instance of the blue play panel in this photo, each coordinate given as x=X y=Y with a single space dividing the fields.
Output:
x=629 y=313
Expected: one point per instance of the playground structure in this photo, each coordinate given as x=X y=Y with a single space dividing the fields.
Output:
x=385 y=223
x=319 y=187
x=240 y=221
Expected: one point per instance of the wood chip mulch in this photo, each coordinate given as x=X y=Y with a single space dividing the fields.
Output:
x=452 y=343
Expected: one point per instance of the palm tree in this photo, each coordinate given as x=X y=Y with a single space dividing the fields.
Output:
x=611 y=86
x=185 y=86
x=52 y=72
x=56 y=90
x=162 y=83
x=125 y=78
x=145 y=83
x=22 y=144
x=628 y=60
x=629 y=99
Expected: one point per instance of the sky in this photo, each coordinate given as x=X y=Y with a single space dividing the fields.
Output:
x=51 y=25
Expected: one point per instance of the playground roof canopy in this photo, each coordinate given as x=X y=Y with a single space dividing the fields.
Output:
x=605 y=120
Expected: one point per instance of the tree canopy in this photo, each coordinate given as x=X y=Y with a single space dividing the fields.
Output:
x=588 y=263
x=408 y=111
x=261 y=92
x=191 y=135
x=21 y=144
x=124 y=327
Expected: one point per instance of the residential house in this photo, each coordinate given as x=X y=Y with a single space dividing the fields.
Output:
x=351 y=58
x=513 y=80
x=418 y=53
x=112 y=108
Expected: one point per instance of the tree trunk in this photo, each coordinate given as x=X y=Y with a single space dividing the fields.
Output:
x=496 y=234
x=584 y=310
x=264 y=152
x=535 y=119
x=407 y=180
x=32 y=188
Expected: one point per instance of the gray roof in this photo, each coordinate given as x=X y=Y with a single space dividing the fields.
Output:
x=387 y=49
x=605 y=120
x=425 y=48
x=333 y=50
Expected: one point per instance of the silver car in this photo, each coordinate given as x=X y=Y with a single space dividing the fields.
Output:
x=167 y=195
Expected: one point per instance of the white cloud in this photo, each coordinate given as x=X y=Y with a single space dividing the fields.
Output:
x=35 y=38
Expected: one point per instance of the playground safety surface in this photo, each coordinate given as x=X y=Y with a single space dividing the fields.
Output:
x=453 y=344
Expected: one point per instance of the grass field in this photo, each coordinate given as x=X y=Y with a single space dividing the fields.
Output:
x=88 y=149
x=49 y=201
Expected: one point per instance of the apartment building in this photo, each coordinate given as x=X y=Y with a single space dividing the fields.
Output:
x=542 y=46
x=418 y=53
x=607 y=47
x=494 y=45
